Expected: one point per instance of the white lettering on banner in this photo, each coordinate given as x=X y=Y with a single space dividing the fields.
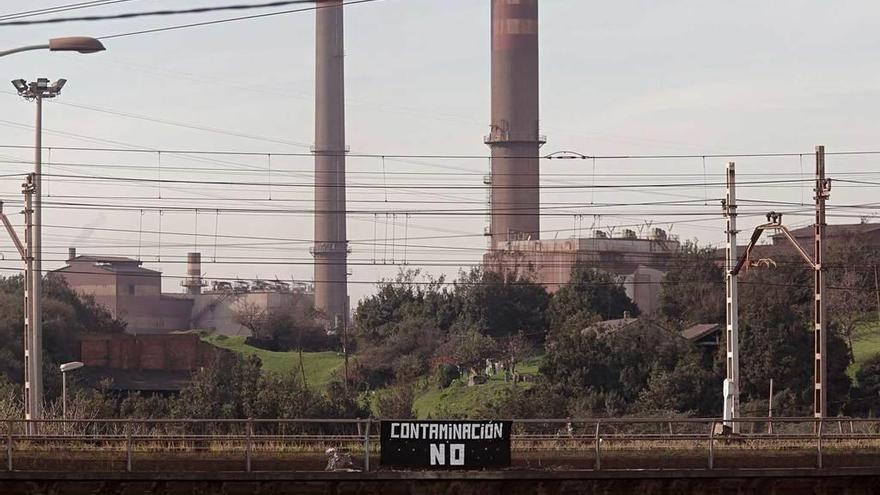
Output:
x=438 y=454
x=446 y=431
x=456 y=454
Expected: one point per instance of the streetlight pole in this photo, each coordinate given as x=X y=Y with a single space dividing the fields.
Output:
x=33 y=338
x=65 y=368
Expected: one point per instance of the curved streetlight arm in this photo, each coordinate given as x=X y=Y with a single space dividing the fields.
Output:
x=81 y=44
x=24 y=49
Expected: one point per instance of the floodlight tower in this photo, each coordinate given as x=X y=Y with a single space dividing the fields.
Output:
x=35 y=91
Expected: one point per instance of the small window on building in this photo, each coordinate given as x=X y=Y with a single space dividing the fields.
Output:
x=131 y=289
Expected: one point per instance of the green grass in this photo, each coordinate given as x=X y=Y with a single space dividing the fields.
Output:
x=459 y=399
x=319 y=365
x=866 y=343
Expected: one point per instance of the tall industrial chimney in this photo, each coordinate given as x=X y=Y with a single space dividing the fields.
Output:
x=331 y=245
x=193 y=281
x=514 y=135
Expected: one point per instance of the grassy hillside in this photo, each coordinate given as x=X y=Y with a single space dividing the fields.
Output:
x=459 y=399
x=319 y=365
x=866 y=343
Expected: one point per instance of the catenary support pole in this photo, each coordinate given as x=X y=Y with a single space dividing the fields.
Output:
x=29 y=413
x=820 y=378
x=731 y=382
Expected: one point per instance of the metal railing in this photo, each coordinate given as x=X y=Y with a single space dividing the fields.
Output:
x=285 y=445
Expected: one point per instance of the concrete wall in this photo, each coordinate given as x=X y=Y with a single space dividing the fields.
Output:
x=535 y=483
x=138 y=301
x=88 y=279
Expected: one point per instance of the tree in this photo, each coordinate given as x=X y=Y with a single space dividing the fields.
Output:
x=469 y=349
x=850 y=286
x=397 y=402
x=500 y=305
x=693 y=289
x=516 y=348
x=618 y=370
x=589 y=295
x=406 y=351
x=868 y=377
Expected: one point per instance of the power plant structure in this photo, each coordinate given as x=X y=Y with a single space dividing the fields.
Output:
x=330 y=248
x=514 y=136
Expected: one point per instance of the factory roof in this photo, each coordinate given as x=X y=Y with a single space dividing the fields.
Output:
x=837 y=230
x=115 y=264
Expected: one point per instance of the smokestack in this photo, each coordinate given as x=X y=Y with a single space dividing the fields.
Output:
x=71 y=253
x=193 y=281
x=514 y=135
x=331 y=245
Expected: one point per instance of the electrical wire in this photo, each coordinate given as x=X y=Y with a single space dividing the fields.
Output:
x=230 y=19
x=61 y=8
x=153 y=13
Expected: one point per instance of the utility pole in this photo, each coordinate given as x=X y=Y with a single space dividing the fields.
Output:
x=731 y=382
x=820 y=372
x=26 y=252
x=345 y=350
x=31 y=399
x=774 y=223
x=877 y=291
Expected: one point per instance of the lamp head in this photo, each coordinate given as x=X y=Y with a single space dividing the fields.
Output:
x=75 y=365
x=81 y=44
x=20 y=85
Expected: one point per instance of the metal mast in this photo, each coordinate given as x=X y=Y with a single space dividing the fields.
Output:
x=32 y=393
x=774 y=223
x=731 y=382
x=820 y=372
x=331 y=245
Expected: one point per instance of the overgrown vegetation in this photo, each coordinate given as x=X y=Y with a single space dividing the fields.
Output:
x=490 y=345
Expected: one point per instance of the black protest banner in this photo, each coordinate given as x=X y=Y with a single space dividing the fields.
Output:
x=445 y=444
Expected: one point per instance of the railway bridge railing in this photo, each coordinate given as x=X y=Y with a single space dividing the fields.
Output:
x=286 y=445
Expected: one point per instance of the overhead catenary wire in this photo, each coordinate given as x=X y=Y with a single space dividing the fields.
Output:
x=227 y=20
x=450 y=156
x=60 y=8
x=156 y=13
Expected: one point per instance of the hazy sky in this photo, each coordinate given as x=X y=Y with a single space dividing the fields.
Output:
x=618 y=78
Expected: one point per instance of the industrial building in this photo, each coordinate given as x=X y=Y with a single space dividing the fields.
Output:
x=514 y=140
x=134 y=294
x=639 y=263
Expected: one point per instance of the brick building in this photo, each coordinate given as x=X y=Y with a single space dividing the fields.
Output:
x=144 y=362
